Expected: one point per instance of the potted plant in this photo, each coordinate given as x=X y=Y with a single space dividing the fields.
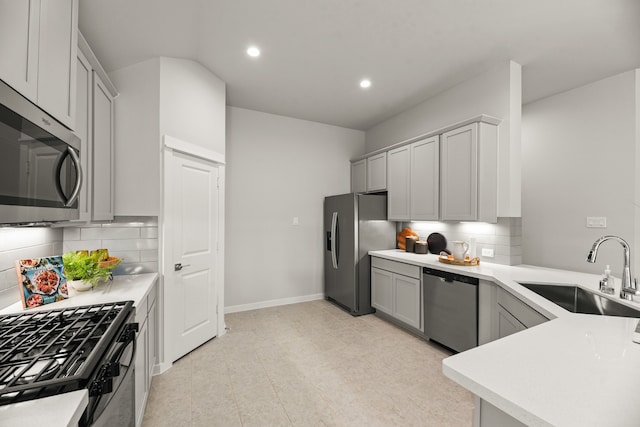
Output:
x=85 y=270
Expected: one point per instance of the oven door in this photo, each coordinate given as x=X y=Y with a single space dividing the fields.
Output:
x=112 y=390
x=40 y=173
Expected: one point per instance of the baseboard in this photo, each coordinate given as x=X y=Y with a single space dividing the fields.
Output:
x=272 y=303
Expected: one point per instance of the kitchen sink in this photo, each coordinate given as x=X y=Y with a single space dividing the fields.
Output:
x=580 y=300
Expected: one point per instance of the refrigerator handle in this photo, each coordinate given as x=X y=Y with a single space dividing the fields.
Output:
x=334 y=226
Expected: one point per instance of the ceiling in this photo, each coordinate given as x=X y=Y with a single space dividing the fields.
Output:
x=315 y=52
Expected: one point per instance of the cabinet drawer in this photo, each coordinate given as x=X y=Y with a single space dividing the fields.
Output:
x=518 y=309
x=396 y=267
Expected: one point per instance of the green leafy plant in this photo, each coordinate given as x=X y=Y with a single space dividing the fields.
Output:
x=82 y=266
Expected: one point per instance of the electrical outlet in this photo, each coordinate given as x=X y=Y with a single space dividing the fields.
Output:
x=487 y=252
x=596 y=222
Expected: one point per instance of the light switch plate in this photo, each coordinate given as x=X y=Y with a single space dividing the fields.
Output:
x=487 y=252
x=596 y=222
x=295 y=221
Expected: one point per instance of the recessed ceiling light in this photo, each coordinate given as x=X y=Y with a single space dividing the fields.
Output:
x=365 y=83
x=253 y=52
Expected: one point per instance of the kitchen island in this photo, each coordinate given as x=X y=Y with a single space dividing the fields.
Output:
x=575 y=369
x=65 y=409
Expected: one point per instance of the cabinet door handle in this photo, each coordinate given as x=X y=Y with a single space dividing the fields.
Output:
x=179 y=266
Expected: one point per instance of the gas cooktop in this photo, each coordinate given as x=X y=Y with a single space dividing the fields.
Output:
x=43 y=353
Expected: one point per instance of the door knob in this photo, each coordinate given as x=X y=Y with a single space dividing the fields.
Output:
x=179 y=266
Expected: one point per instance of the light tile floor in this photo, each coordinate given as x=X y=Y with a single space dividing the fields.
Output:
x=309 y=364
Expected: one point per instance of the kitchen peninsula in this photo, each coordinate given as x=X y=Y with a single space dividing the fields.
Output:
x=565 y=372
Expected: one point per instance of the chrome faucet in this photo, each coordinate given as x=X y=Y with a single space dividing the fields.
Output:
x=628 y=289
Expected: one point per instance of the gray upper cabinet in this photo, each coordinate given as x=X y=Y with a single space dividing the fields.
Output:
x=399 y=184
x=459 y=173
x=19 y=30
x=84 y=107
x=377 y=172
x=468 y=173
x=359 y=176
x=57 y=59
x=413 y=181
x=38 y=47
x=425 y=179
x=94 y=126
x=448 y=175
x=103 y=197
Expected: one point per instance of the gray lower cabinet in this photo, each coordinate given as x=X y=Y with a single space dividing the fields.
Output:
x=396 y=290
x=514 y=315
x=382 y=290
x=145 y=358
x=487 y=415
x=500 y=314
x=507 y=323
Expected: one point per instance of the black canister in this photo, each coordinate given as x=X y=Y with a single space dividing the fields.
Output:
x=410 y=244
x=421 y=247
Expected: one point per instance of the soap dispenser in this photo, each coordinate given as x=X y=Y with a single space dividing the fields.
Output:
x=607 y=282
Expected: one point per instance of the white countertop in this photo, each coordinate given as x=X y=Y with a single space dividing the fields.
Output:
x=65 y=409
x=61 y=410
x=133 y=287
x=575 y=370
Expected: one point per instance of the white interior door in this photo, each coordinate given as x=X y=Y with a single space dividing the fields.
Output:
x=191 y=226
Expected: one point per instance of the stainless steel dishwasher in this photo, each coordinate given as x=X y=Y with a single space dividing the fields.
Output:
x=450 y=309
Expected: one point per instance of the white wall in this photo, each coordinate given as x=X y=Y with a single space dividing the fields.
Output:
x=161 y=96
x=137 y=116
x=192 y=106
x=580 y=157
x=279 y=168
x=496 y=92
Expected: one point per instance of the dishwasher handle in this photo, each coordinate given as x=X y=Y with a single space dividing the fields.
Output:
x=450 y=277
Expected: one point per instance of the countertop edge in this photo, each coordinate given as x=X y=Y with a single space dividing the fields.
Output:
x=67 y=407
x=123 y=288
x=466 y=368
x=507 y=277
x=134 y=287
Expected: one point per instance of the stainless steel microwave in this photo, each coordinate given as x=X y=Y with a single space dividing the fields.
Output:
x=40 y=173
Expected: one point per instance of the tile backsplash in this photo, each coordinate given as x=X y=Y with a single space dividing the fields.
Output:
x=23 y=243
x=134 y=239
x=504 y=237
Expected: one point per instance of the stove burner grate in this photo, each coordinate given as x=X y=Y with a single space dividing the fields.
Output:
x=49 y=352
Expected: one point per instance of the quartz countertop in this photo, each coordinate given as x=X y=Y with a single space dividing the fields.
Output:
x=572 y=370
x=66 y=409
x=133 y=287
x=61 y=410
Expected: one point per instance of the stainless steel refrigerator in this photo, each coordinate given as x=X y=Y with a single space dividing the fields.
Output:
x=354 y=224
